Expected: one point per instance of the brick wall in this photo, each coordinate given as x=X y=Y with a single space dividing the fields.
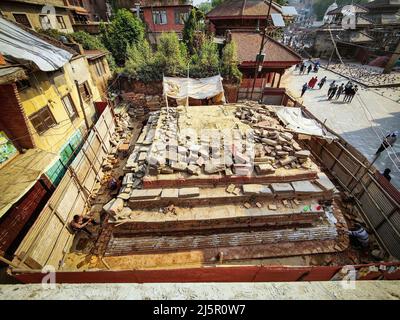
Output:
x=13 y=119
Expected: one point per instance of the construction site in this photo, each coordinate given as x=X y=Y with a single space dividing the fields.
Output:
x=211 y=193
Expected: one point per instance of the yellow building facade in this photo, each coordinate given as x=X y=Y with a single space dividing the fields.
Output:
x=52 y=104
x=30 y=13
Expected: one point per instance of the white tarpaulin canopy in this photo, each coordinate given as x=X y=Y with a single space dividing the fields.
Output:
x=294 y=120
x=24 y=46
x=182 y=88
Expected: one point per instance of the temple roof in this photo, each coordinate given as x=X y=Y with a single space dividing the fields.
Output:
x=243 y=8
x=277 y=54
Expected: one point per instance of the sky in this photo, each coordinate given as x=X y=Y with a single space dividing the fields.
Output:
x=196 y=2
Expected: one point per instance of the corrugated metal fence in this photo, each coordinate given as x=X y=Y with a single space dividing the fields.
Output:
x=50 y=237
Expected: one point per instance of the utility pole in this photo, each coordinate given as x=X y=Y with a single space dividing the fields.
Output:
x=261 y=50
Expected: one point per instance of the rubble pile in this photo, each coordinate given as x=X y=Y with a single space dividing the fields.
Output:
x=141 y=104
x=136 y=165
x=274 y=147
x=372 y=77
x=166 y=149
x=121 y=137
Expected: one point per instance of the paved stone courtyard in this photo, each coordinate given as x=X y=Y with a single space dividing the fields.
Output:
x=363 y=129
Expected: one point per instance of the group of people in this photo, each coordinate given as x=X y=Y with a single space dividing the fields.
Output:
x=311 y=84
x=309 y=66
x=349 y=90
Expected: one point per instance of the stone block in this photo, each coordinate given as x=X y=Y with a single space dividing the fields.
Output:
x=251 y=189
x=302 y=153
x=264 y=168
x=179 y=166
x=304 y=187
x=282 y=188
x=170 y=194
x=140 y=194
x=189 y=192
x=193 y=169
x=324 y=182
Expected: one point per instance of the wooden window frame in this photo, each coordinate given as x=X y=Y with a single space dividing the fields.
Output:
x=86 y=93
x=157 y=13
x=26 y=16
x=100 y=70
x=178 y=13
x=39 y=119
x=62 y=25
x=75 y=115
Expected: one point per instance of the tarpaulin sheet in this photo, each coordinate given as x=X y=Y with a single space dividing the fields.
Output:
x=24 y=46
x=294 y=120
x=182 y=88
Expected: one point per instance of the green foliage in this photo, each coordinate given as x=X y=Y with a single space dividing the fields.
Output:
x=320 y=6
x=205 y=61
x=193 y=26
x=170 y=59
x=125 y=29
x=171 y=55
x=205 y=7
x=88 y=42
x=229 y=64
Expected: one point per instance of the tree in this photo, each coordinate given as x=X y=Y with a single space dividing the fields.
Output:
x=90 y=42
x=205 y=62
x=229 y=64
x=171 y=56
x=125 y=29
x=139 y=56
x=205 y=7
x=194 y=25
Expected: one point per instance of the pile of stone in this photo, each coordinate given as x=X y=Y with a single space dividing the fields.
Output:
x=122 y=135
x=136 y=165
x=141 y=104
x=372 y=77
x=274 y=146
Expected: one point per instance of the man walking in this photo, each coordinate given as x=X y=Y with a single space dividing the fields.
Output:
x=322 y=82
x=347 y=93
x=304 y=89
x=339 y=91
x=331 y=86
x=388 y=141
x=309 y=68
x=333 y=92
x=353 y=92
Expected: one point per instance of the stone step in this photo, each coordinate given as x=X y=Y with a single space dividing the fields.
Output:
x=220 y=195
x=168 y=243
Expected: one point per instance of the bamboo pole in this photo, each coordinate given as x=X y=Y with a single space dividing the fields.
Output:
x=10 y=263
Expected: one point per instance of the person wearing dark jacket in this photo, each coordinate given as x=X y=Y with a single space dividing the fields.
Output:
x=388 y=141
x=386 y=174
x=304 y=89
x=339 y=91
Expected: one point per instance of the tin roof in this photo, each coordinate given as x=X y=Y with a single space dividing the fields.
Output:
x=243 y=8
